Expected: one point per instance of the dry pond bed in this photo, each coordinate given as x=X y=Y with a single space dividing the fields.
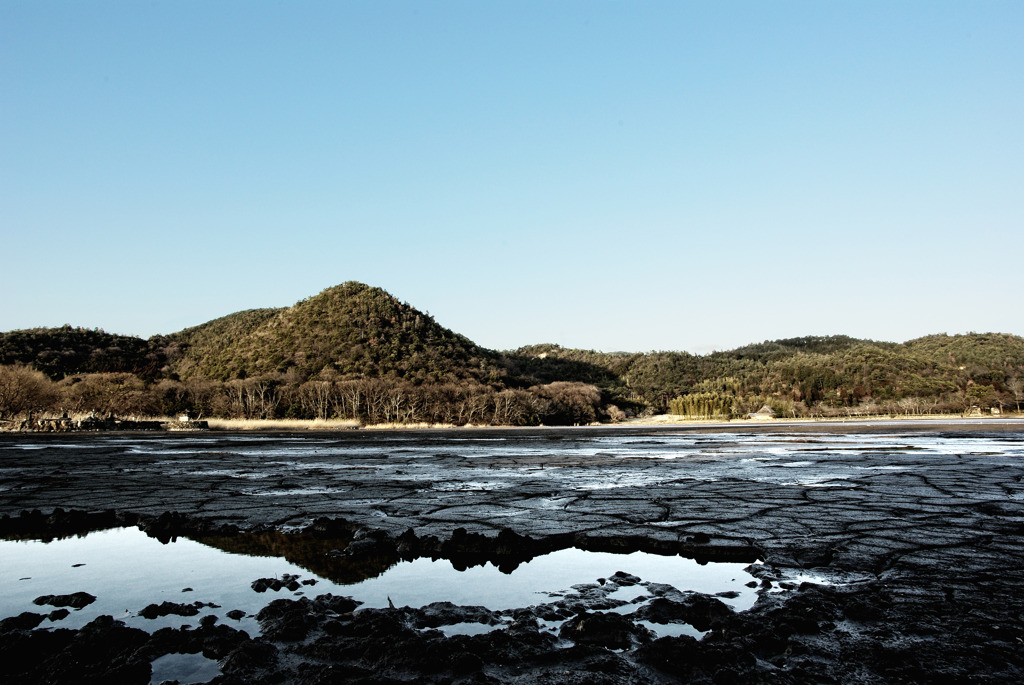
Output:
x=865 y=553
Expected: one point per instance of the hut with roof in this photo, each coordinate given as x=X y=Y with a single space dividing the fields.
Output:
x=765 y=413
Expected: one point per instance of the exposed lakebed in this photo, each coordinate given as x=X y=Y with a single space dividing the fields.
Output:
x=896 y=548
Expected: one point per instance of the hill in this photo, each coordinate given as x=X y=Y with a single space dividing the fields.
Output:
x=802 y=376
x=351 y=331
x=355 y=351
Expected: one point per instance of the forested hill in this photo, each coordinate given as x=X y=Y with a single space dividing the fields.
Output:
x=806 y=376
x=64 y=351
x=356 y=351
x=351 y=331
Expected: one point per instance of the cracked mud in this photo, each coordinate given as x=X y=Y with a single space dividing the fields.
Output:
x=899 y=548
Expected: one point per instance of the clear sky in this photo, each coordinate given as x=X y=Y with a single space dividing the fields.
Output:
x=606 y=175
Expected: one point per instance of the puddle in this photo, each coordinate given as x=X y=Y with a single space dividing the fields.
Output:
x=183 y=668
x=831 y=577
x=292 y=492
x=466 y=628
x=673 y=629
x=423 y=581
x=126 y=571
x=628 y=593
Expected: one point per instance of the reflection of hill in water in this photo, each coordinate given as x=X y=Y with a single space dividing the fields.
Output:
x=332 y=549
x=328 y=556
x=319 y=555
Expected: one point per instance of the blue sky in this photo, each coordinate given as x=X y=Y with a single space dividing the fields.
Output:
x=605 y=175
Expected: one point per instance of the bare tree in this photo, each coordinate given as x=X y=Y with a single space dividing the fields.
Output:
x=107 y=393
x=317 y=398
x=1016 y=386
x=23 y=389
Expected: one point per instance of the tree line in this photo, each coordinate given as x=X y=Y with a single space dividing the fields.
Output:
x=803 y=377
x=368 y=401
x=356 y=352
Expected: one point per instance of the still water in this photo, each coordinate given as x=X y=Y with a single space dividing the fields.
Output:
x=126 y=570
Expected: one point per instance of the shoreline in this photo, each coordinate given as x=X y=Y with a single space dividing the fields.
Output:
x=661 y=421
x=658 y=422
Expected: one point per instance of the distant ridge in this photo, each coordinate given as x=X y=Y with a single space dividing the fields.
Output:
x=357 y=351
x=67 y=350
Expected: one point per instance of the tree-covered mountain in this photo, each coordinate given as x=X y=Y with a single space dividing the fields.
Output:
x=356 y=351
x=351 y=330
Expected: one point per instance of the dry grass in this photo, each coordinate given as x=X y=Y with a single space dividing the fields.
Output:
x=668 y=419
x=282 y=424
x=407 y=426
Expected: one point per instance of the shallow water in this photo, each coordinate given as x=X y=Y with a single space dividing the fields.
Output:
x=185 y=668
x=126 y=570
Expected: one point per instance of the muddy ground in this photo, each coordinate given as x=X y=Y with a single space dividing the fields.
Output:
x=923 y=550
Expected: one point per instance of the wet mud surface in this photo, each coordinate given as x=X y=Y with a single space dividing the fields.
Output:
x=897 y=549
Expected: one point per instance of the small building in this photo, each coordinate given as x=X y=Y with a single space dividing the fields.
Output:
x=765 y=413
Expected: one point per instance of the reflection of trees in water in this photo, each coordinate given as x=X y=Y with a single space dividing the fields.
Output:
x=331 y=558
x=323 y=556
x=346 y=554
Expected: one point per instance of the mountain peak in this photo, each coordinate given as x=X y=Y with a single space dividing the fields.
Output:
x=352 y=329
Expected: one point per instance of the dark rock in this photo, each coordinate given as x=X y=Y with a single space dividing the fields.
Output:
x=614 y=631
x=287 y=580
x=690 y=660
x=76 y=600
x=465 y=663
x=337 y=603
x=624 y=579
x=236 y=614
x=168 y=608
x=103 y=651
x=23 y=621
x=58 y=614
x=248 y=656
x=23 y=652
x=446 y=613
x=553 y=612
x=700 y=611
x=286 y=620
